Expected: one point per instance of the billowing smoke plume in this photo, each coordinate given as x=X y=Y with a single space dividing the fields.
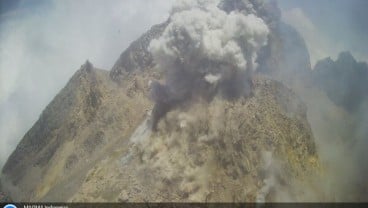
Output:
x=205 y=50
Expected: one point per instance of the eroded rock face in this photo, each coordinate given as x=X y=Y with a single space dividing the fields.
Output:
x=137 y=56
x=204 y=150
x=93 y=142
x=82 y=123
x=215 y=150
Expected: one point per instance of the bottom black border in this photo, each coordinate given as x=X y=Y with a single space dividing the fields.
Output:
x=180 y=205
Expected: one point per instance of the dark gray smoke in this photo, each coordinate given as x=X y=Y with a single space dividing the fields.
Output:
x=205 y=51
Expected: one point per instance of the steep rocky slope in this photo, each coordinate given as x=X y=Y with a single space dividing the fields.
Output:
x=137 y=56
x=243 y=150
x=101 y=148
x=94 y=141
x=82 y=123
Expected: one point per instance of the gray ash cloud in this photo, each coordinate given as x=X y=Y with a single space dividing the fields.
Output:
x=205 y=51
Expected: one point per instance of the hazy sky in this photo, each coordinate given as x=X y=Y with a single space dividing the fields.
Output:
x=43 y=42
x=330 y=26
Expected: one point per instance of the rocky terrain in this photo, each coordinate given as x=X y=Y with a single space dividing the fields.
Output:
x=95 y=141
x=100 y=146
x=214 y=151
x=80 y=125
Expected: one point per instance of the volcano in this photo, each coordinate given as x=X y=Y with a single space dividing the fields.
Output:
x=200 y=108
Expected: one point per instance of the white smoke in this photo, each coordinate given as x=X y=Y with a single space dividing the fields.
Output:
x=204 y=45
x=269 y=181
x=183 y=5
x=199 y=31
x=212 y=78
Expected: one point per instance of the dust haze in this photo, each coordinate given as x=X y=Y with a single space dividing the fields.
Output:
x=204 y=51
x=43 y=43
x=202 y=46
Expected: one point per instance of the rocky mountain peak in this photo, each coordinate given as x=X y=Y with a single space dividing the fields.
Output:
x=173 y=121
x=212 y=151
x=344 y=80
x=137 y=56
x=346 y=57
